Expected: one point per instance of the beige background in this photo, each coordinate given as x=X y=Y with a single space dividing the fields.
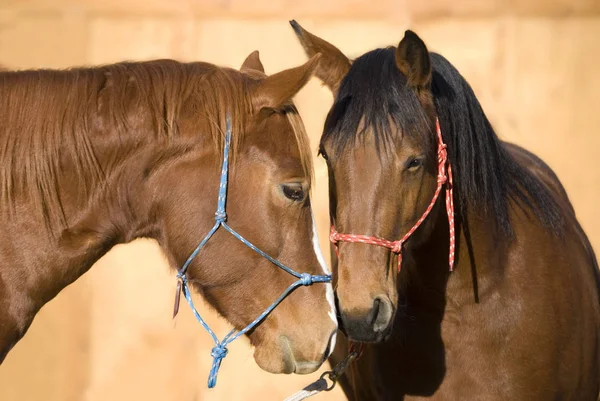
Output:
x=533 y=64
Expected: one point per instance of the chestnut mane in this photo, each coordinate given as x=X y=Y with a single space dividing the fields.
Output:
x=49 y=116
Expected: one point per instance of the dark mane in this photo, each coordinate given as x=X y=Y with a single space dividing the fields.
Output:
x=485 y=175
x=371 y=94
x=49 y=116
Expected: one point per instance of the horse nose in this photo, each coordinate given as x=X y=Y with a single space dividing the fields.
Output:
x=373 y=324
x=381 y=314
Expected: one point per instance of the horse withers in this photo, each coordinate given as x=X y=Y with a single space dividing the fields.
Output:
x=420 y=185
x=95 y=157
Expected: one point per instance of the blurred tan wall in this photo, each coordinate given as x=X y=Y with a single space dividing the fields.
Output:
x=533 y=64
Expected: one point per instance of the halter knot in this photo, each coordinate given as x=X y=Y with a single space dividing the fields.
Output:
x=219 y=352
x=442 y=153
x=396 y=247
x=333 y=236
x=306 y=279
x=220 y=216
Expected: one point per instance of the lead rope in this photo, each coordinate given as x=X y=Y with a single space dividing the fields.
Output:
x=321 y=384
x=220 y=350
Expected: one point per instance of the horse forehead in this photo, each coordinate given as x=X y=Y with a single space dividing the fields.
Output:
x=360 y=160
x=273 y=134
x=278 y=155
x=364 y=158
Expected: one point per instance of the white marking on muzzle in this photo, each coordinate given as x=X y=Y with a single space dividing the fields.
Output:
x=328 y=286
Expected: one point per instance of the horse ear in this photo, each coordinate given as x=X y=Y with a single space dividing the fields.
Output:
x=252 y=62
x=273 y=91
x=412 y=59
x=333 y=66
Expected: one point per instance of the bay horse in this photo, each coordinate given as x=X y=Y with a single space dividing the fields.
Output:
x=95 y=157
x=518 y=318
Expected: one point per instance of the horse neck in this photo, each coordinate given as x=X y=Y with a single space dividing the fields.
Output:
x=36 y=265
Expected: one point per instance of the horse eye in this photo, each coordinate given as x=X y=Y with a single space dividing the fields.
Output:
x=293 y=192
x=413 y=164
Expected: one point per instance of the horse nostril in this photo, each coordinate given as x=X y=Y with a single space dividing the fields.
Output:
x=372 y=316
x=381 y=314
x=369 y=324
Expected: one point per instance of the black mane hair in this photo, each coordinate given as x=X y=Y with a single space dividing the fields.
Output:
x=371 y=93
x=485 y=176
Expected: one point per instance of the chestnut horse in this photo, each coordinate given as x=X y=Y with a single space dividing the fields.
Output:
x=519 y=317
x=95 y=157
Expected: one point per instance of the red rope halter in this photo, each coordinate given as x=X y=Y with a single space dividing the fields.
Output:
x=444 y=177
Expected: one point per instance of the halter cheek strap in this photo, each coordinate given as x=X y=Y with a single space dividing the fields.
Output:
x=444 y=177
x=303 y=279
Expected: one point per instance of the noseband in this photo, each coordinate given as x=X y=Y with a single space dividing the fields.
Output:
x=220 y=350
x=444 y=177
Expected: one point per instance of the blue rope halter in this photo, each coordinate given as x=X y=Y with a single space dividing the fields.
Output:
x=220 y=350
